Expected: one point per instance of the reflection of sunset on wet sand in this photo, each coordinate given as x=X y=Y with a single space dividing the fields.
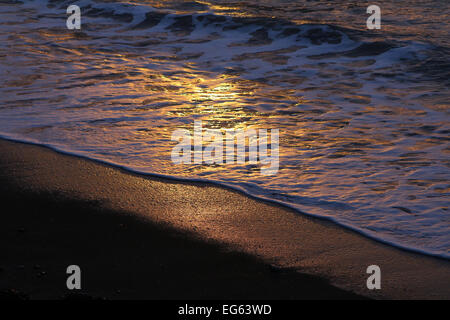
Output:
x=349 y=112
x=358 y=118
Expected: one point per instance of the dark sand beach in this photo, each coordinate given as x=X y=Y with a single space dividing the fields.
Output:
x=144 y=237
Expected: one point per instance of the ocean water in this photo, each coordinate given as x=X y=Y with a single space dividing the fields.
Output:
x=363 y=115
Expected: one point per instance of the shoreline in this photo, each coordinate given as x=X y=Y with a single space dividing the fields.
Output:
x=219 y=184
x=213 y=213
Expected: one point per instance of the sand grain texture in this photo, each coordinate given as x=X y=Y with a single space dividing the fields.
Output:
x=269 y=232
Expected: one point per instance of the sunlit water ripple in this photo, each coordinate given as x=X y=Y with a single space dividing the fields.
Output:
x=363 y=116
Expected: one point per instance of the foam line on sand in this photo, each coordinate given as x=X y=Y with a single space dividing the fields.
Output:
x=270 y=232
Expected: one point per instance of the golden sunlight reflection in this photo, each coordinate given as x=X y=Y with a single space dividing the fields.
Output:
x=221 y=102
x=360 y=119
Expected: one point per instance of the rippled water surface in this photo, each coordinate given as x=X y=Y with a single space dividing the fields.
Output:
x=363 y=115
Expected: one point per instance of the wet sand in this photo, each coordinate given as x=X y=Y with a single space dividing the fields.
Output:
x=144 y=237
